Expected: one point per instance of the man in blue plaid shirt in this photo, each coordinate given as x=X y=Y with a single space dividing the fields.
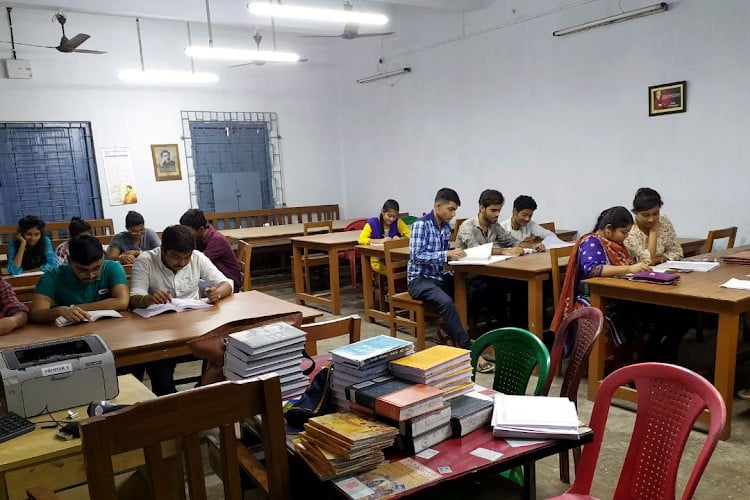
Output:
x=427 y=277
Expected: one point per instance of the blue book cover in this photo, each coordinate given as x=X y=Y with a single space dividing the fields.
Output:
x=365 y=352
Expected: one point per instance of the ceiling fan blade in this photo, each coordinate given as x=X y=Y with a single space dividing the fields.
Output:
x=240 y=65
x=74 y=42
x=31 y=45
x=319 y=36
x=361 y=35
x=86 y=51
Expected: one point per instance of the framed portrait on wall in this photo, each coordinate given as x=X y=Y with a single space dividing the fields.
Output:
x=666 y=98
x=166 y=160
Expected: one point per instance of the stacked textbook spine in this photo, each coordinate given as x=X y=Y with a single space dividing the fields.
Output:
x=443 y=367
x=364 y=360
x=273 y=348
x=340 y=444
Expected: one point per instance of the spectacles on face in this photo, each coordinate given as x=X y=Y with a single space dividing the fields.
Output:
x=91 y=271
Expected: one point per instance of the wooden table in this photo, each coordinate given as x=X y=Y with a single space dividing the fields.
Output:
x=134 y=339
x=332 y=244
x=692 y=246
x=278 y=234
x=40 y=459
x=696 y=291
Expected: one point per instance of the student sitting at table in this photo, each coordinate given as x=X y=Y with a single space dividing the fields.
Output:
x=31 y=251
x=520 y=225
x=602 y=253
x=77 y=227
x=173 y=270
x=485 y=291
x=214 y=245
x=388 y=226
x=13 y=313
x=86 y=283
x=653 y=239
x=127 y=245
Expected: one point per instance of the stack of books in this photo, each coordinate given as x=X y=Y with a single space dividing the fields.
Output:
x=443 y=367
x=271 y=348
x=417 y=410
x=741 y=257
x=534 y=417
x=340 y=444
x=363 y=360
x=470 y=412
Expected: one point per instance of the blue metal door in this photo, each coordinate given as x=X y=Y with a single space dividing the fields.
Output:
x=49 y=170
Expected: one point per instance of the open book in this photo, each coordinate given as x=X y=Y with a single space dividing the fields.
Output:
x=176 y=305
x=103 y=313
x=480 y=255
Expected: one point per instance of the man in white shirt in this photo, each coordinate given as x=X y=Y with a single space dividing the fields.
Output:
x=173 y=270
x=520 y=225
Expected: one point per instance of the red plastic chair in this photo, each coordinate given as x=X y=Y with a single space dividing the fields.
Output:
x=670 y=398
x=352 y=255
x=586 y=324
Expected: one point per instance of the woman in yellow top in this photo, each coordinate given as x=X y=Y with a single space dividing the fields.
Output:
x=386 y=227
x=653 y=239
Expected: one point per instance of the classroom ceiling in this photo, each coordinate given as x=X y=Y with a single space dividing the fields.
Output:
x=234 y=12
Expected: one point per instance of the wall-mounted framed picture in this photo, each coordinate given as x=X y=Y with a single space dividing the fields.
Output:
x=667 y=98
x=166 y=159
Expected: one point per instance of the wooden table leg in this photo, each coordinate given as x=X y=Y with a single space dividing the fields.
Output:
x=367 y=290
x=726 y=360
x=459 y=296
x=536 y=306
x=598 y=353
x=333 y=269
x=299 y=279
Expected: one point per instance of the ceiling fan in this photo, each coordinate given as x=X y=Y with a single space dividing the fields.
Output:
x=66 y=44
x=258 y=38
x=351 y=30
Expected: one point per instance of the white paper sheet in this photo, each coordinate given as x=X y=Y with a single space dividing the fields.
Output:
x=686 y=265
x=737 y=284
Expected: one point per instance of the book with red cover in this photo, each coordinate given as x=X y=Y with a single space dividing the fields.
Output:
x=409 y=402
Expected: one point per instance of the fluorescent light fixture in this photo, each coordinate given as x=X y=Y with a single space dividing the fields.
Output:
x=165 y=76
x=625 y=16
x=315 y=14
x=382 y=76
x=240 y=54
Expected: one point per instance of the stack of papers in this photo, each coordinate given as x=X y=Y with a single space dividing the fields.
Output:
x=685 y=266
x=737 y=284
x=534 y=417
x=480 y=255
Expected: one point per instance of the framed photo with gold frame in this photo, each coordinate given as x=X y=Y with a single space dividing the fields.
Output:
x=166 y=160
x=667 y=98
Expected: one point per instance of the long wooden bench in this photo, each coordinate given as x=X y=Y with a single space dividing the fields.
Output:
x=57 y=232
x=272 y=216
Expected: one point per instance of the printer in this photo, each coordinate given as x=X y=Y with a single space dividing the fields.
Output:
x=56 y=375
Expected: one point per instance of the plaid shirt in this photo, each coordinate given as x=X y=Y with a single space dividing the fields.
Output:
x=8 y=301
x=428 y=249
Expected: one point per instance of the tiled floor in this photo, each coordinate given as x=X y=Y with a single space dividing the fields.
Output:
x=723 y=477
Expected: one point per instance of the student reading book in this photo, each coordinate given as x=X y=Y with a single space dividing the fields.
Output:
x=93 y=316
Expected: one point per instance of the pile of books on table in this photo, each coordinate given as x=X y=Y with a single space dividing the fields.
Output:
x=341 y=444
x=418 y=410
x=271 y=348
x=443 y=367
x=363 y=360
x=534 y=417
x=741 y=257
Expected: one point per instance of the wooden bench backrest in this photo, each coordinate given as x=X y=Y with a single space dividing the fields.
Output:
x=274 y=216
x=57 y=232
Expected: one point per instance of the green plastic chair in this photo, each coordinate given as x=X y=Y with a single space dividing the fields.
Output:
x=517 y=353
x=409 y=219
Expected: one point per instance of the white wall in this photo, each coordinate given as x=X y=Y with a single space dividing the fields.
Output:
x=564 y=119
x=79 y=87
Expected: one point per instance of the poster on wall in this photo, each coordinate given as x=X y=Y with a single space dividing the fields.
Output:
x=118 y=169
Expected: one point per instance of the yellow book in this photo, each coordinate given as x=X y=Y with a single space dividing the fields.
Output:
x=351 y=428
x=429 y=362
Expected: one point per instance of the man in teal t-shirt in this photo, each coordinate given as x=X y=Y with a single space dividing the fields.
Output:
x=86 y=283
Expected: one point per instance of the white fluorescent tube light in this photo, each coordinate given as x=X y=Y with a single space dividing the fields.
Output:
x=625 y=16
x=164 y=76
x=240 y=54
x=315 y=14
x=381 y=76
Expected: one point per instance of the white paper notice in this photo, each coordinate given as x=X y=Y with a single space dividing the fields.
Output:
x=118 y=168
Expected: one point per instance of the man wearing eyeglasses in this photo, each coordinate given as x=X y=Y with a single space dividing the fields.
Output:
x=137 y=238
x=88 y=282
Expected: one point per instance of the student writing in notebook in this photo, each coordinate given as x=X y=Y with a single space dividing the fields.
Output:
x=653 y=239
x=87 y=282
x=388 y=226
x=526 y=231
x=173 y=270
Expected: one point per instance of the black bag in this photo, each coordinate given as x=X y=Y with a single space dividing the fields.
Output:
x=317 y=400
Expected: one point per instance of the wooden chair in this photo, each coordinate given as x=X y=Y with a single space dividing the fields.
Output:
x=349 y=325
x=244 y=253
x=182 y=417
x=314 y=259
x=549 y=226
x=557 y=276
x=402 y=303
x=454 y=232
x=717 y=234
